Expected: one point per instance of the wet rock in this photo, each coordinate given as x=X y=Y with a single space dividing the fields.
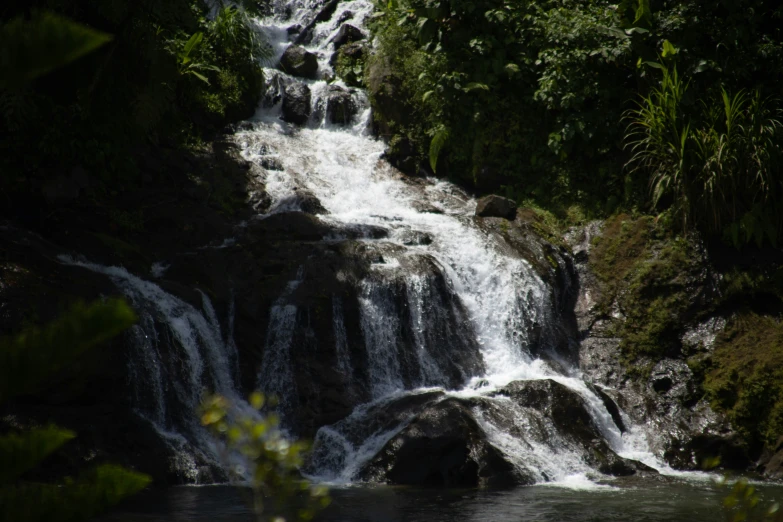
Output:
x=345 y=16
x=610 y=406
x=296 y=103
x=690 y=451
x=773 y=468
x=326 y=12
x=563 y=406
x=415 y=238
x=298 y=61
x=294 y=31
x=347 y=34
x=309 y=203
x=672 y=377
x=443 y=446
x=496 y=206
x=340 y=106
x=290 y=226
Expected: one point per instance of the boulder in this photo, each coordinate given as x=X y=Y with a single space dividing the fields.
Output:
x=296 y=103
x=568 y=412
x=443 y=446
x=298 y=61
x=496 y=206
x=353 y=51
x=347 y=34
x=340 y=106
x=309 y=203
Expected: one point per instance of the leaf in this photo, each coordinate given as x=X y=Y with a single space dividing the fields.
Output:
x=643 y=13
x=427 y=95
x=27 y=359
x=198 y=75
x=474 y=86
x=511 y=69
x=669 y=49
x=47 y=41
x=192 y=43
x=436 y=145
x=20 y=452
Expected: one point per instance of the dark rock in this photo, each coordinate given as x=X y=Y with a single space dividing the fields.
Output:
x=271 y=163
x=347 y=34
x=296 y=103
x=415 y=238
x=309 y=203
x=344 y=17
x=384 y=87
x=326 y=12
x=290 y=226
x=443 y=446
x=340 y=106
x=496 y=206
x=298 y=61
x=691 y=451
x=294 y=30
x=353 y=51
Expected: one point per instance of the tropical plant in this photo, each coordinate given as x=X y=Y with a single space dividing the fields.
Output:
x=26 y=361
x=185 y=58
x=279 y=492
x=716 y=167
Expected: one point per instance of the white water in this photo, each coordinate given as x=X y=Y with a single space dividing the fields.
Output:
x=169 y=380
x=504 y=298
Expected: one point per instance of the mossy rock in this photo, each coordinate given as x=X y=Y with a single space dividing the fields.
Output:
x=655 y=280
x=745 y=377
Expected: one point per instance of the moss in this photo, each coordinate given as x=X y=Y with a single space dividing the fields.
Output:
x=745 y=378
x=647 y=273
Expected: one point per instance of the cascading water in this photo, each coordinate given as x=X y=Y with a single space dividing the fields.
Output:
x=483 y=298
x=180 y=353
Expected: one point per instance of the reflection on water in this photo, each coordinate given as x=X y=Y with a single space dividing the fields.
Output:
x=651 y=500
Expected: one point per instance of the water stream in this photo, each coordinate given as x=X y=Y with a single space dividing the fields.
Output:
x=508 y=307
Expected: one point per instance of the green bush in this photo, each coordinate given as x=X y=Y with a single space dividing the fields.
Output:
x=717 y=168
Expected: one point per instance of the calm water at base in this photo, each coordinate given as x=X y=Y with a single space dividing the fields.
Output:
x=649 y=500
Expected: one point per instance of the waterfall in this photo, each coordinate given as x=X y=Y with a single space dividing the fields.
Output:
x=179 y=354
x=413 y=325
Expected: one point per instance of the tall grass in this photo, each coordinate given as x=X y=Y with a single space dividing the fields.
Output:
x=715 y=165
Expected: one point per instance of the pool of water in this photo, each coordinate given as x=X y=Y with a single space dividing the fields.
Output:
x=662 y=499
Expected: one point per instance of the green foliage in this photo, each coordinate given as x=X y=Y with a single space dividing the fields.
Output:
x=173 y=74
x=32 y=47
x=534 y=95
x=26 y=360
x=29 y=358
x=745 y=377
x=279 y=493
x=718 y=168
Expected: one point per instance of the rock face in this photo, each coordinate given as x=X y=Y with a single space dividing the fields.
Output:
x=443 y=446
x=340 y=106
x=347 y=34
x=496 y=206
x=298 y=61
x=686 y=429
x=296 y=103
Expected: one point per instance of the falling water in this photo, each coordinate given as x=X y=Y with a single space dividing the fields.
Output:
x=504 y=300
x=180 y=354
